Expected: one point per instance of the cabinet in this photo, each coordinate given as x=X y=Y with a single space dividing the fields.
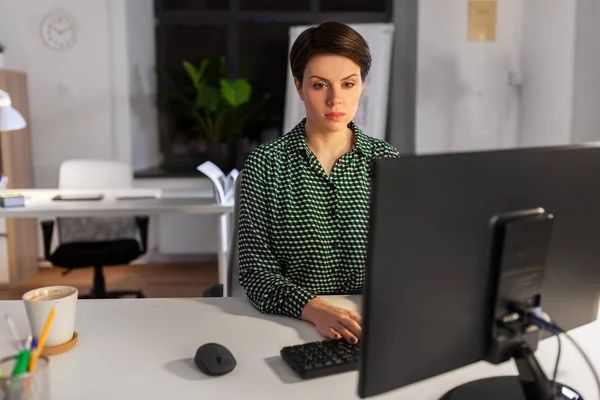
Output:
x=18 y=237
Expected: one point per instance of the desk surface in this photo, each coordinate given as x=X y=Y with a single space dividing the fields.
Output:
x=39 y=203
x=143 y=349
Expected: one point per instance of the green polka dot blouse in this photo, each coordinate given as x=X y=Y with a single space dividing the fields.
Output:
x=303 y=233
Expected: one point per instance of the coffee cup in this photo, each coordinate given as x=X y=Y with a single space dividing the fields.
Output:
x=39 y=303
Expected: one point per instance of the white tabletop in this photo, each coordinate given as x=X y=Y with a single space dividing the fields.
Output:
x=143 y=349
x=39 y=203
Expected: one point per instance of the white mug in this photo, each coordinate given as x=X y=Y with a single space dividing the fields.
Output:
x=39 y=303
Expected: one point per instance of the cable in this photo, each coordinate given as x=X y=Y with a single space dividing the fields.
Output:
x=557 y=359
x=543 y=325
x=543 y=320
x=585 y=357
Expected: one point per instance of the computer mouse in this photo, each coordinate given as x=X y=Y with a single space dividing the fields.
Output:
x=214 y=359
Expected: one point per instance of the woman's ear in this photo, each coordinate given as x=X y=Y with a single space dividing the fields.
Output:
x=298 y=85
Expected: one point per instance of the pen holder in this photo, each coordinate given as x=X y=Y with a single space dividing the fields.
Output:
x=27 y=386
x=3 y=184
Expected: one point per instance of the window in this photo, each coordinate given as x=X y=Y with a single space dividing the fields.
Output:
x=275 y=5
x=182 y=5
x=252 y=36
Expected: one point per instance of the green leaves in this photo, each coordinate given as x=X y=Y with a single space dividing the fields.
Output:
x=196 y=74
x=237 y=92
x=218 y=106
x=208 y=97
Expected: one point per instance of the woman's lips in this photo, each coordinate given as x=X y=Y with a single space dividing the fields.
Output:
x=335 y=116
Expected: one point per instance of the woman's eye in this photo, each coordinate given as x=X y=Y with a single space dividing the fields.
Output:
x=318 y=85
x=348 y=84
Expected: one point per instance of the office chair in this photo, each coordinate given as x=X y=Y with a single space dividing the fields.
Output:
x=96 y=241
x=233 y=270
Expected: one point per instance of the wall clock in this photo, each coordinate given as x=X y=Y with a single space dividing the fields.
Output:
x=59 y=30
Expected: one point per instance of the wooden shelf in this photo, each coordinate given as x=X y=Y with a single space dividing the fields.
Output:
x=19 y=241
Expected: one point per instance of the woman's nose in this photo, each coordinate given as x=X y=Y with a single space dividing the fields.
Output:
x=333 y=99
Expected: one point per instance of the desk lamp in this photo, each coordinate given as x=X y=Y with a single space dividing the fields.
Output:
x=10 y=118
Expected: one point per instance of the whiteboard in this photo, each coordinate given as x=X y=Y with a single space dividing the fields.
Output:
x=371 y=116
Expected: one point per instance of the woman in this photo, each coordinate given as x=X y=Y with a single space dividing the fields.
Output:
x=304 y=198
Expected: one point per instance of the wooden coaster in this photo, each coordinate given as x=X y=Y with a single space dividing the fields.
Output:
x=61 y=348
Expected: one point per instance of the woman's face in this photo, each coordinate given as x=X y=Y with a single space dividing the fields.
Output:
x=330 y=89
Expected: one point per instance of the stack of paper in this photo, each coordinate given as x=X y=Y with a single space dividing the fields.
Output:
x=224 y=185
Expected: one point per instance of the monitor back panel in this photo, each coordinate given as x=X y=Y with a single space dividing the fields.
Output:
x=428 y=276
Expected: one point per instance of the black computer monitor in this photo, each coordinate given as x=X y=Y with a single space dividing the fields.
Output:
x=431 y=280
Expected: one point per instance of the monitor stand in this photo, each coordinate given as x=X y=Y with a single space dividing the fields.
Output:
x=530 y=384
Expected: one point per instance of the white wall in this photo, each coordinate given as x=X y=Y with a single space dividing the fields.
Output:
x=81 y=102
x=68 y=92
x=142 y=83
x=537 y=84
x=464 y=97
x=548 y=72
x=586 y=99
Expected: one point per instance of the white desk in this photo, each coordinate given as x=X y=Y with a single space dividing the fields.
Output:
x=39 y=204
x=143 y=349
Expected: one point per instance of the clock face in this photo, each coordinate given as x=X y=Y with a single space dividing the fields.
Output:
x=59 y=31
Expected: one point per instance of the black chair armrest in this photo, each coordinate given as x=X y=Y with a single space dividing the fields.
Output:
x=142 y=224
x=47 y=230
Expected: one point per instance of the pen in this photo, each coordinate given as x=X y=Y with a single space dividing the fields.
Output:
x=28 y=343
x=13 y=330
x=21 y=362
x=42 y=341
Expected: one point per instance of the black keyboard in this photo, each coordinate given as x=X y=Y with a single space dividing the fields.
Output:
x=316 y=359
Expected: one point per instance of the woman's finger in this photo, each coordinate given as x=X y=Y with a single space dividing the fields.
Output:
x=356 y=317
x=351 y=325
x=347 y=335
x=331 y=333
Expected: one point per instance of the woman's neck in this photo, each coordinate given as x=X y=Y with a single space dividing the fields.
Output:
x=328 y=143
x=328 y=147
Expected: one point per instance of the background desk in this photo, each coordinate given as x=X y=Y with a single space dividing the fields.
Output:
x=39 y=204
x=143 y=349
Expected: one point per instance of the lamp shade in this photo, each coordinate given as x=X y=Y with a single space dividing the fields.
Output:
x=10 y=118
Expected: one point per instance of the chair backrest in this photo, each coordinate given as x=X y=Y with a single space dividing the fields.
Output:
x=234 y=288
x=95 y=175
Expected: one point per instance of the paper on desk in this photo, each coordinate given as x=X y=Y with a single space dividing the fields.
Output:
x=230 y=181
x=224 y=185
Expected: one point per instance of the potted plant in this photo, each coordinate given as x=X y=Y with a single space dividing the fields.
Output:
x=218 y=107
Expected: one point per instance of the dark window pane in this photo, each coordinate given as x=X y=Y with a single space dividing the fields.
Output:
x=182 y=140
x=353 y=5
x=193 y=43
x=263 y=60
x=283 y=5
x=173 y=5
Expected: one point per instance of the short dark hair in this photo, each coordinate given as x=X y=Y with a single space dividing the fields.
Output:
x=330 y=38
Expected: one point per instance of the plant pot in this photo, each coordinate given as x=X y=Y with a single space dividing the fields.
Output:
x=222 y=154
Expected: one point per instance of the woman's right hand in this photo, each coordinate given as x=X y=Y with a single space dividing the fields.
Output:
x=333 y=322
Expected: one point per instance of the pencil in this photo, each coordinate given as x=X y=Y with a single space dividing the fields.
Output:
x=42 y=341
